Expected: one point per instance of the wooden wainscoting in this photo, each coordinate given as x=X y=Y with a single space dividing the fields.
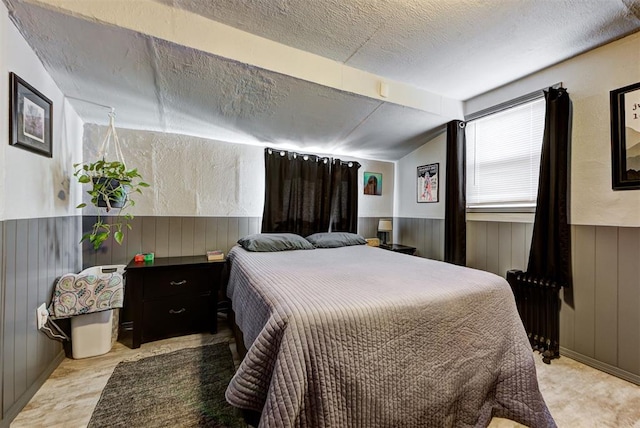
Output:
x=35 y=252
x=602 y=328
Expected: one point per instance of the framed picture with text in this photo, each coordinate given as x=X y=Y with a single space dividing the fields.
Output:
x=625 y=137
x=428 y=182
x=30 y=118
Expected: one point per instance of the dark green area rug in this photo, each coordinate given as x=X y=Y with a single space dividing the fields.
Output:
x=180 y=389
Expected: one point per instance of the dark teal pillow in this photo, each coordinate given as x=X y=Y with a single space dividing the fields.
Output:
x=335 y=239
x=268 y=242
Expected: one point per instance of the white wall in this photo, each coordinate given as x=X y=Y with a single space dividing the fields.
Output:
x=373 y=205
x=588 y=78
x=31 y=185
x=192 y=176
x=406 y=205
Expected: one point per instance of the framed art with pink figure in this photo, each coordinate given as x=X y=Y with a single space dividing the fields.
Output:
x=428 y=180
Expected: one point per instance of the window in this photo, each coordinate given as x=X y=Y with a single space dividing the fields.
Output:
x=503 y=157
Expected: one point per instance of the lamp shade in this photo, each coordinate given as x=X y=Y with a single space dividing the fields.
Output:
x=385 y=226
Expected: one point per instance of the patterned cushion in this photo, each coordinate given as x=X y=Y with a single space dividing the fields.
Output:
x=84 y=294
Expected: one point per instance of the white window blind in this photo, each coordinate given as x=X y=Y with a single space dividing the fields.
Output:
x=503 y=157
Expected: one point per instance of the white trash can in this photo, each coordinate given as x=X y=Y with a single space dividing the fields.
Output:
x=94 y=334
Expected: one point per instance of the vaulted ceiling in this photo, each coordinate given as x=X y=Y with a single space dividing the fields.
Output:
x=369 y=78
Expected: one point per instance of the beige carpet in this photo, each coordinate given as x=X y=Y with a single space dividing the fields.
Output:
x=577 y=395
x=580 y=396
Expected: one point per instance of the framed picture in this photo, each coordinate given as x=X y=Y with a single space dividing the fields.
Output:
x=428 y=182
x=625 y=137
x=373 y=183
x=30 y=118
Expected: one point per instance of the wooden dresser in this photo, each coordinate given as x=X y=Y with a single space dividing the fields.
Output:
x=170 y=296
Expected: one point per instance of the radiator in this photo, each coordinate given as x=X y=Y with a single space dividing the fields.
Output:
x=538 y=303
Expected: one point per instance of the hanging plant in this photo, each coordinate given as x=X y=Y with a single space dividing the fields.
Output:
x=112 y=187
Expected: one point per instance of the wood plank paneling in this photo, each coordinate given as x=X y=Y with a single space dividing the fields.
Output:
x=148 y=234
x=629 y=299
x=187 y=236
x=584 y=294
x=51 y=244
x=606 y=295
x=44 y=252
x=32 y=301
x=471 y=243
x=175 y=237
x=423 y=237
x=481 y=245
x=505 y=249
x=199 y=235
x=567 y=312
x=223 y=232
x=233 y=233
x=212 y=233
x=493 y=247
x=21 y=318
x=9 y=316
x=34 y=253
x=518 y=246
x=161 y=248
x=243 y=227
x=133 y=238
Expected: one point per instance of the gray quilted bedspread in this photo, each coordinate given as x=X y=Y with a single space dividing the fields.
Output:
x=363 y=337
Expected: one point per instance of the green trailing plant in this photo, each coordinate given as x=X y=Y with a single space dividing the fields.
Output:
x=112 y=187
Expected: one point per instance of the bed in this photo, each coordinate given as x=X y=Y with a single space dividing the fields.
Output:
x=358 y=336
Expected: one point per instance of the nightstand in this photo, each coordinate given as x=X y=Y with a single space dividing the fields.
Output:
x=170 y=296
x=398 y=248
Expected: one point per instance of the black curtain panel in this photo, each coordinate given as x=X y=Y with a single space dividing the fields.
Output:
x=455 y=227
x=297 y=193
x=550 y=255
x=344 y=196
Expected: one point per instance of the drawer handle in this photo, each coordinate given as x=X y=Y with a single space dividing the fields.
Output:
x=179 y=311
x=183 y=282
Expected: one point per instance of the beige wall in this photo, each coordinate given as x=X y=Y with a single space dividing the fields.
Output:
x=602 y=328
x=589 y=78
x=32 y=185
x=195 y=177
x=406 y=205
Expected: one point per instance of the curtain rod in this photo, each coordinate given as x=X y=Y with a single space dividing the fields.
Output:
x=511 y=103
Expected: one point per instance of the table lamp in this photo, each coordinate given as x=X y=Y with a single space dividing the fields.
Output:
x=384 y=227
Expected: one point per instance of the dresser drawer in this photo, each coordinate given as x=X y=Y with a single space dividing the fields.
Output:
x=175 y=317
x=165 y=282
x=170 y=296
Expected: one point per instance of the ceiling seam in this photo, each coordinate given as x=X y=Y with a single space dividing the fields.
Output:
x=156 y=80
x=362 y=121
x=363 y=43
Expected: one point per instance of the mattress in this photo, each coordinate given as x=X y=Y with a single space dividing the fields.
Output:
x=363 y=337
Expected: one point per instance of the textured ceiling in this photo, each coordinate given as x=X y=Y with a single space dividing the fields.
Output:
x=458 y=48
x=454 y=48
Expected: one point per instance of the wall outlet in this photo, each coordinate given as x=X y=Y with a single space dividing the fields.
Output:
x=42 y=315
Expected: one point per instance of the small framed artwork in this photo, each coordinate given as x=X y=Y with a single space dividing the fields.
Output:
x=625 y=137
x=373 y=183
x=428 y=182
x=30 y=118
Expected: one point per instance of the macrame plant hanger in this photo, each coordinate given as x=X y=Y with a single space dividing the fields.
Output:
x=111 y=134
